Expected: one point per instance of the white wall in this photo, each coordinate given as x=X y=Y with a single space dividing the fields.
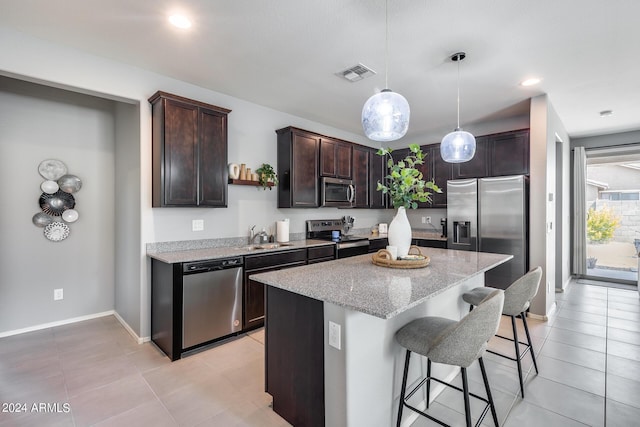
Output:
x=546 y=127
x=252 y=140
x=38 y=123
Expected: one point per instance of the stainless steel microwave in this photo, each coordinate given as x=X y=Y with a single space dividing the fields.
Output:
x=337 y=192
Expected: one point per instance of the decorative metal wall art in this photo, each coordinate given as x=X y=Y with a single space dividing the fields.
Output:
x=56 y=201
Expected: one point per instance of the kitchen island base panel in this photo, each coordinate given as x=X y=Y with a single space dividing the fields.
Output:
x=363 y=380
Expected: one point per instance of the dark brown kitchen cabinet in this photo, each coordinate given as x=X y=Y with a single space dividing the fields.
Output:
x=509 y=153
x=254 y=291
x=298 y=152
x=361 y=173
x=335 y=158
x=478 y=167
x=189 y=146
x=441 y=173
x=377 y=172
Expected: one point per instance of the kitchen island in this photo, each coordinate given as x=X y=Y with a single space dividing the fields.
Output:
x=331 y=357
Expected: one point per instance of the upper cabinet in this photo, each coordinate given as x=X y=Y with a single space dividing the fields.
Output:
x=361 y=172
x=377 y=172
x=298 y=153
x=478 y=167
x=509 y=153
x=335 y=158
x=189 y=152
x=442 y=172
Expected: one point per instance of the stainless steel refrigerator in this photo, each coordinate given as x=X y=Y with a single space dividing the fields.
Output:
x=491 y=215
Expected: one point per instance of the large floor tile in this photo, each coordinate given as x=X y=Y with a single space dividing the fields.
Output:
x=590 y=380
x=148 y=414
x=623 y=367
x=599 y=309
x=525 y=414
x=622 y=335
x=581 y=316
x=113 y=399
x=619 y=414
x=579 y=326
x=623 y=390
x=621 y=349
x=579 y=356
x=623 y=314
x=624 y=306
x=570 y=402
x=633 y=326
x=577 y=339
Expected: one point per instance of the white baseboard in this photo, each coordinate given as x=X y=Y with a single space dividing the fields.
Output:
x=544 y=318
x=126 y=326
x=54 y=324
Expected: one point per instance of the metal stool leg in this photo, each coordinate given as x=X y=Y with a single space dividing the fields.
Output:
x=488 y=389
x=404 y=387
x=526 y=329
x=428 y=381
x=465 y=390
x=515 y=341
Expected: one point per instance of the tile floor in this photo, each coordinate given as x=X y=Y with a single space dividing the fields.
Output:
x=93 y=374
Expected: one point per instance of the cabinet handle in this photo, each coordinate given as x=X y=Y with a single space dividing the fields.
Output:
x=351 y=192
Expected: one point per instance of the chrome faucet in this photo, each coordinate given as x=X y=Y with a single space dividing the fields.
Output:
x=251 y=234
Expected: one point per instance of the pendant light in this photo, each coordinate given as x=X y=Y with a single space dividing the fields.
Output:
x=385 y=116
x=458 y=146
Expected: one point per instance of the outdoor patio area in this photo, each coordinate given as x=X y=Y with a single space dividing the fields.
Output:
x=615 y=260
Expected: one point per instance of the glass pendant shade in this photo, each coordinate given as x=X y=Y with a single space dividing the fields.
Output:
x=385 y=116
x=458 y=146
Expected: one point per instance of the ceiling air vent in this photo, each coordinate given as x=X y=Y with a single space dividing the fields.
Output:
x=355 y=73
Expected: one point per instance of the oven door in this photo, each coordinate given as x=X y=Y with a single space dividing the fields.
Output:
x=337 y=192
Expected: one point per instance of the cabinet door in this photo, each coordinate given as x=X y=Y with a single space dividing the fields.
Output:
x=377 y=172
x=361 y=176
x=442 y=172
x=335 y=159
x=213 y=158
x=478 y=167
x=304 y=171
x=180 y=154
x=509 y=153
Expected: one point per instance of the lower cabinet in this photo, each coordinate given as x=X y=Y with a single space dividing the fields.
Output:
x=376 y=244
x=321 y=254
x=254 y=291
x=430 y=243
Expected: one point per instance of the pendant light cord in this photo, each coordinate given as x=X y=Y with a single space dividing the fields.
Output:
x=386 y=44
x=459 y=59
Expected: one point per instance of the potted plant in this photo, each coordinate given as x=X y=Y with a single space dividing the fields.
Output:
x=266 y=175
x=406 y=187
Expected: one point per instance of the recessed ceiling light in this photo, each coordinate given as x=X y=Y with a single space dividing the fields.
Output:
x=530 y=82
x=180 y=21
x=606 y=113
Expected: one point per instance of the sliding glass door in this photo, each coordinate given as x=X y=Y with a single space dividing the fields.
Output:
x=612 y=214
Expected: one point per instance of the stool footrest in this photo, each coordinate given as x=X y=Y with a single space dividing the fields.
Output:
x=527 y=348
x=424 y=380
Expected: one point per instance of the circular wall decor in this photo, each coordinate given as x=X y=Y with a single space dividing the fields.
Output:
x=70 y=183
x=56 y=203
x=52 y=169
x=70 y=215
x=56 y=231
x=41 y=219
x=49 y=186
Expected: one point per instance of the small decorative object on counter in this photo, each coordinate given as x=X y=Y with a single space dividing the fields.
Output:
x=234 y=171
x=266 y=175
x=243 y=171
x=414 y=259
x=56 y=200
x=406 y=188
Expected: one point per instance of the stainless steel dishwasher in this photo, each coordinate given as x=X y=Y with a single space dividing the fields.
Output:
x=212 y=300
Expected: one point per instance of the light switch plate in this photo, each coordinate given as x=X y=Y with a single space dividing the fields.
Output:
x=334 y=335
x=197 y=225
x=58 y=294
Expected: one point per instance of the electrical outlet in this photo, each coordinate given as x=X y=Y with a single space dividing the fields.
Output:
x=428 y=220
x=58 y=294
x=197 y=225
x=334 y=335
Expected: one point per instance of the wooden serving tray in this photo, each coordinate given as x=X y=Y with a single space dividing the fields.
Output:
x=418 y=259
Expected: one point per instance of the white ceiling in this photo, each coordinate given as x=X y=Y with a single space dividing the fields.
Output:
x=284 y=53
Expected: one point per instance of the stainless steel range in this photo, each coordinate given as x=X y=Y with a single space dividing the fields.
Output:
x=337 y=231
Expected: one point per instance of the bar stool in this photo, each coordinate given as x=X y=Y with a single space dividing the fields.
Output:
x=517 y=298
x=452 y=342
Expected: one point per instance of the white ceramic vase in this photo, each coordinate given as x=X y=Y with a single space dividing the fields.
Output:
x=399 y=233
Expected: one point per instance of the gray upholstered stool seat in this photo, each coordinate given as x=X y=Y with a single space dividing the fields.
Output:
x=451 y=342
x=517 y=299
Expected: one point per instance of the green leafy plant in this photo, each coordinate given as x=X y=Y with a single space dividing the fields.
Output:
x=405 y=184
x=267 y=174
x=601 y=224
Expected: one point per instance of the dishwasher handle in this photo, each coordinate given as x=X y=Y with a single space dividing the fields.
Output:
x=211 y=265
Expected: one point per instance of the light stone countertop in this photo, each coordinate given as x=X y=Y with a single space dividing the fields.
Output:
x=202 y=254
x=356 y=283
